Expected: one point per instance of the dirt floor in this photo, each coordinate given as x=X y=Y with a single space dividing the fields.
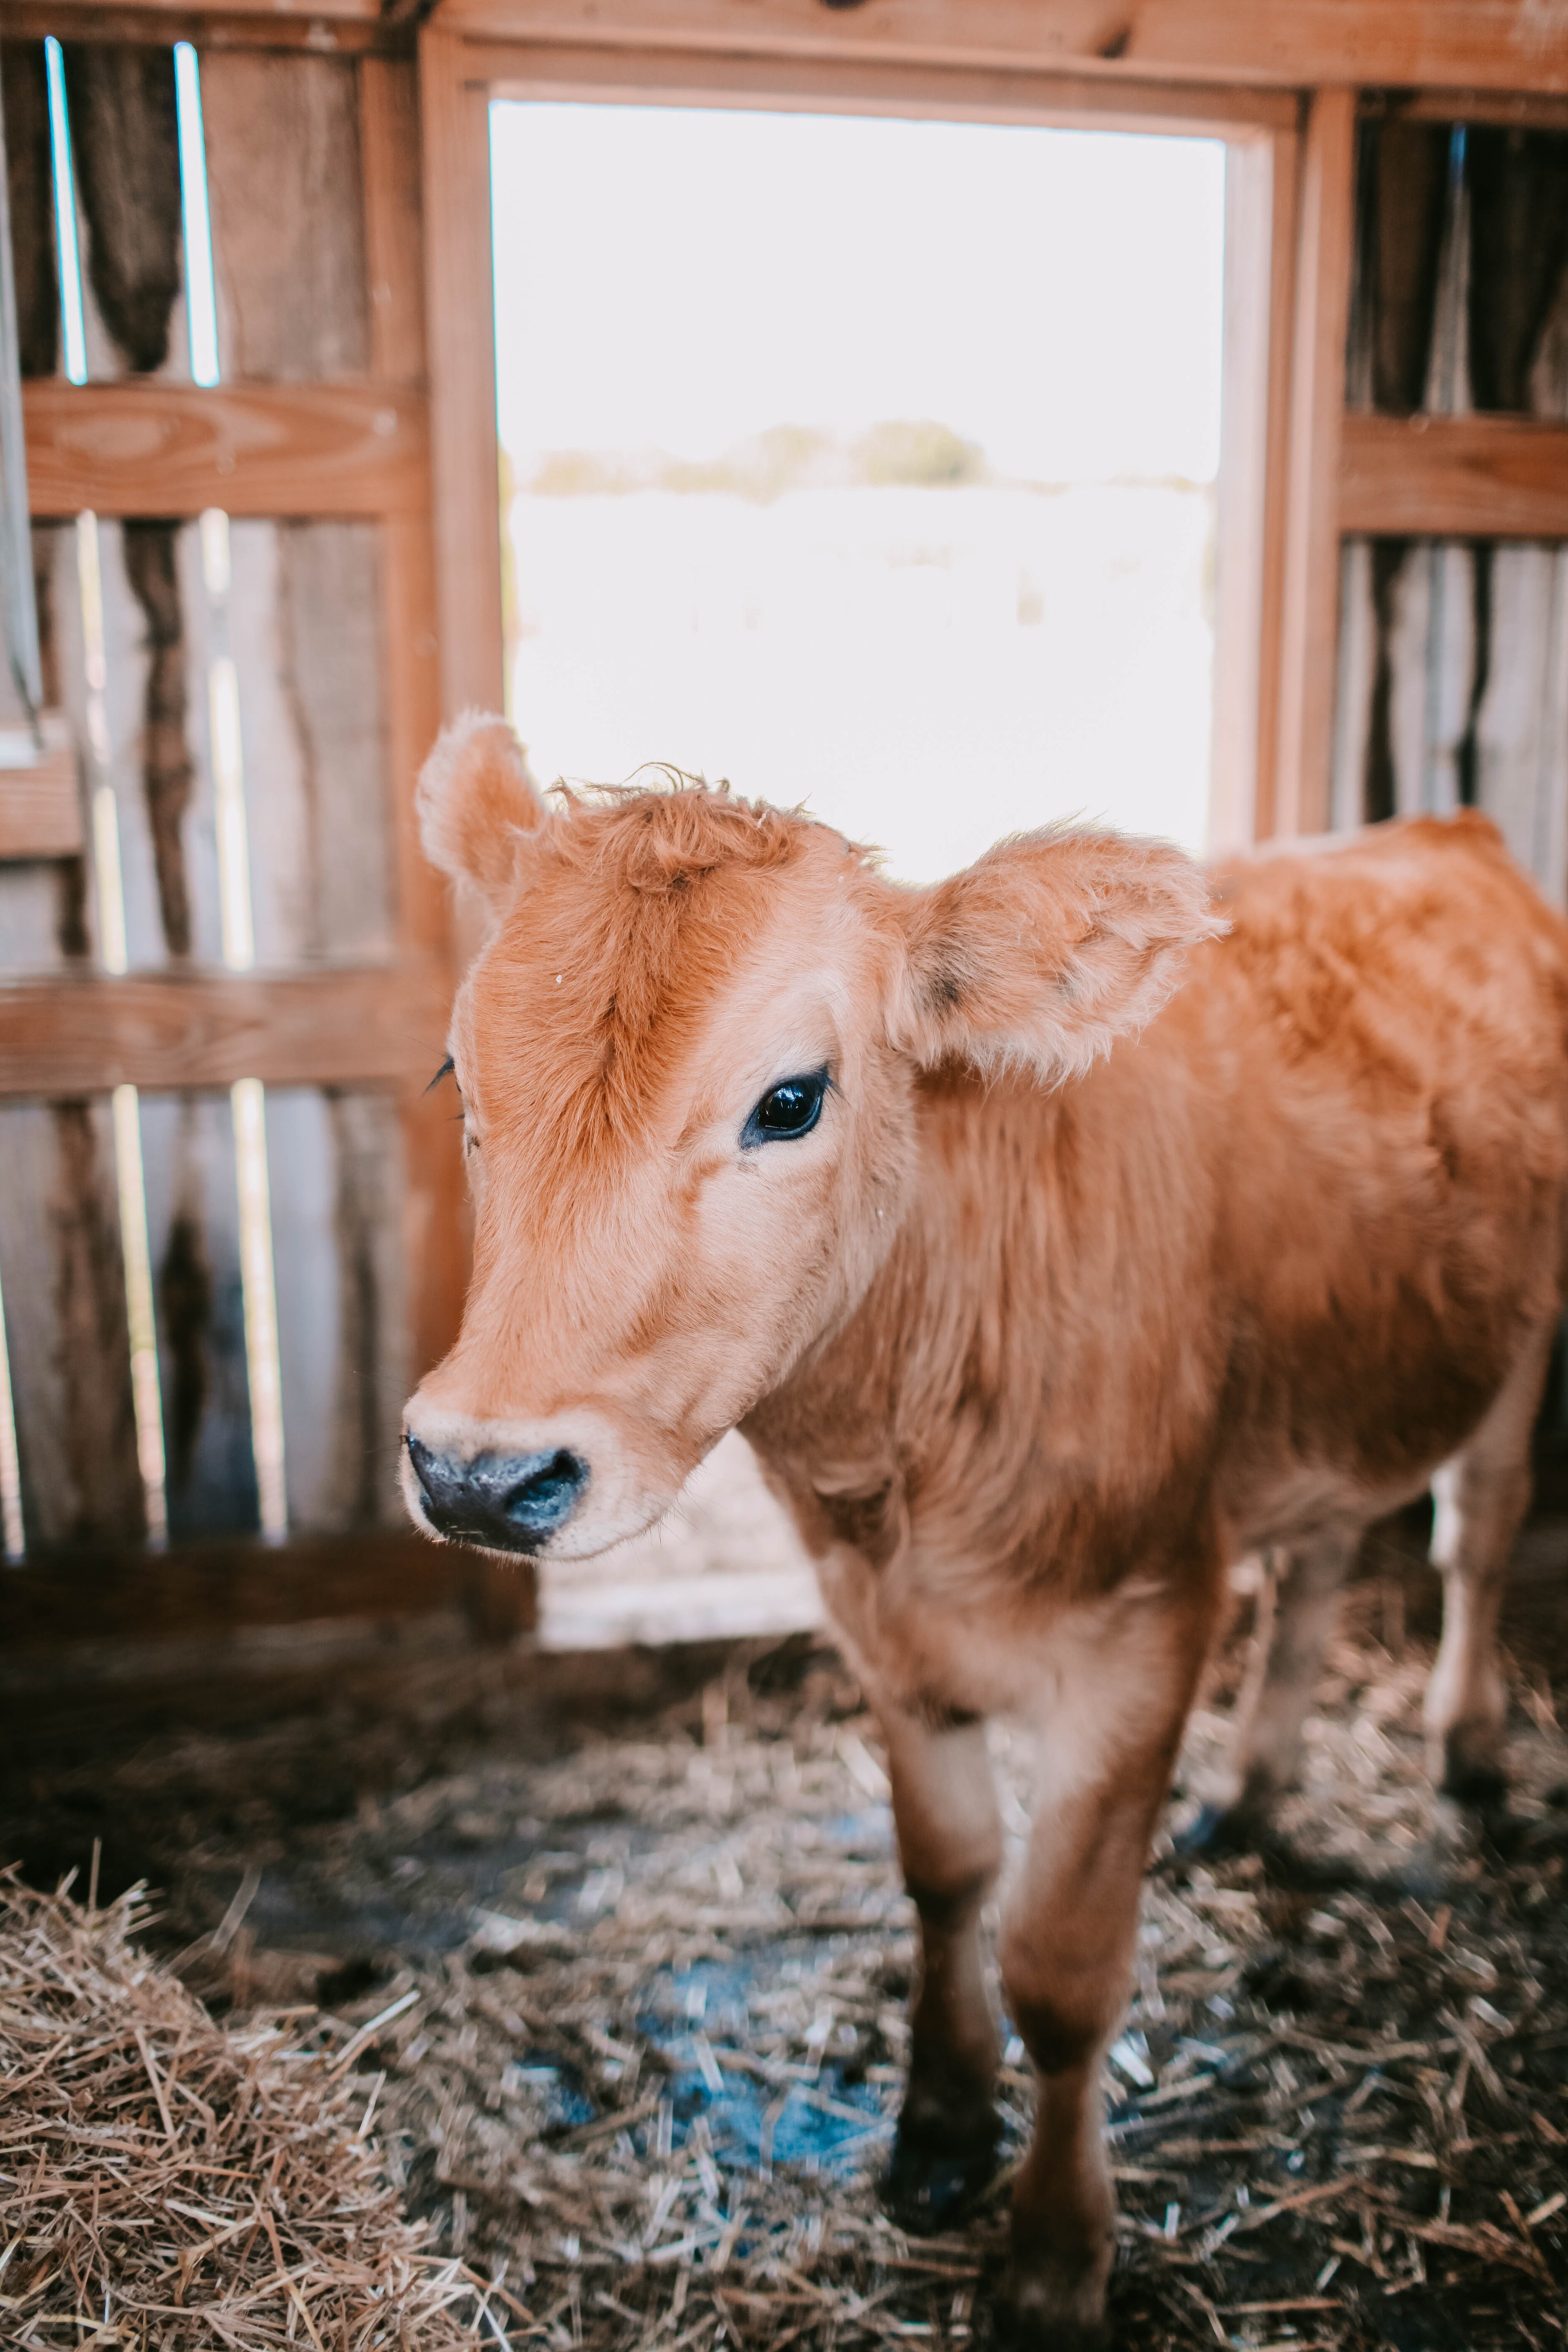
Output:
x=623 y=1956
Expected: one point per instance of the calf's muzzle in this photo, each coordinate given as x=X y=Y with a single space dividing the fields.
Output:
x=507 y=1502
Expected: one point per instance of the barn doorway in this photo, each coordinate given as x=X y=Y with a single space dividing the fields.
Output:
x=866 y=462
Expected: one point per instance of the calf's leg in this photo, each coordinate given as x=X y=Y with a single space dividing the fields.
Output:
x=1480 y=1499
x=950 y=1844
x=1296 y=1616
x=1067 y=1957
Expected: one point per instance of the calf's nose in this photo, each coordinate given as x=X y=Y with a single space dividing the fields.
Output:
x=509 y=1502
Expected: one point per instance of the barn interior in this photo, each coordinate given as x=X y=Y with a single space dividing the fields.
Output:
x=571 y=1904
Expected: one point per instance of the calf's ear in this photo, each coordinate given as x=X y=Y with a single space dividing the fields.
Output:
x=477 y=804
x=1048 y=948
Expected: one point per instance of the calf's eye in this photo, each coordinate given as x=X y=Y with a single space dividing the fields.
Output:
x=790 y=1108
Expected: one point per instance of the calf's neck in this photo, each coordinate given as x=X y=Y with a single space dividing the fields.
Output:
x=1056 y=1235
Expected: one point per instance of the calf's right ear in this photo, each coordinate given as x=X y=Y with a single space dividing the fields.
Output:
x=478 y=806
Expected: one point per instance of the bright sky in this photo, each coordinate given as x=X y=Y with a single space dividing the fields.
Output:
x=682 y=278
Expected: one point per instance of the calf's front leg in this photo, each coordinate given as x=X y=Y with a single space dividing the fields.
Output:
x=949 y=1844
x=1067 y=1947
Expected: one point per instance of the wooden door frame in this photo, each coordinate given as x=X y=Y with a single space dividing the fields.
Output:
x=459 y=76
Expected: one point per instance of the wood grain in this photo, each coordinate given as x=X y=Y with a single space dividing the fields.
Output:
x=849 y=85
x=217 y=1586
x=1491 y=44
x=1310 y=570
x=40 y=806
x=136 y=449
x=461 y=317
x=1454 y=477
x=324 y=1028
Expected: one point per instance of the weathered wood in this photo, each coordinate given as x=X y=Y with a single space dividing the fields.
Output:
x=304 y=629
x=193 y=1235
x=1285 y=178
x=1470 y=477
x=161 y=449
x=331 y=1028
x=66 y=1324
x=1401 y=206
x=283 y=179
x=337 y=1189
x=393 y=222
x=125 y=156
x=211 y=29
x=40 y=805
x=1518 y=183
x=30 y=190
x=1067 y=100
x=215 y=1587
x=1493 y=43
x=1311 y=574
x=460 y=300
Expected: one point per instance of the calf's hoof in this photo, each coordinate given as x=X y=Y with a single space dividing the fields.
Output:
x=1052 y=2307
x=1217 y=1830
x=942 y=2162
x=1477 y=1782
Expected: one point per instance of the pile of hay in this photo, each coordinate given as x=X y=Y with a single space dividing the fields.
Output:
x=165 y=2182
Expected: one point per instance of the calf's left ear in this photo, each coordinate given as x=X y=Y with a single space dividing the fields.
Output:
x=1048 y=948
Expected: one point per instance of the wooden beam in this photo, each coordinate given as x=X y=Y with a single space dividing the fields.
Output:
x=1311 y=586
x=136 y=448
x=323 y=31
x=459 y=295
x=678 y=77
x=1454 y=477
x=74 y=1036
x=1485 y=44
x=210 y=1588
x=40 y=804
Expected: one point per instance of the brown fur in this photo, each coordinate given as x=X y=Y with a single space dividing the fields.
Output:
x=1032 y=1340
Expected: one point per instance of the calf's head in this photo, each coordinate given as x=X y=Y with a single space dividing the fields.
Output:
x=688 y=1054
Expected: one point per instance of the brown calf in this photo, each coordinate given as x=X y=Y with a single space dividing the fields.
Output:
x=1033 y=1341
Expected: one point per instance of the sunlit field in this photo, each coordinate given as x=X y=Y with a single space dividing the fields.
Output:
x=866 y=463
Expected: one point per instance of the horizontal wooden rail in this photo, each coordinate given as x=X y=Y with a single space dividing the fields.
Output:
x=61 y=1598
x=69 y=1036
x=142 y=448
x=1499 y=45
x=1454 y=477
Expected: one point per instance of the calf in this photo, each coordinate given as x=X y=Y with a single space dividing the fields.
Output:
x=1033 y=1338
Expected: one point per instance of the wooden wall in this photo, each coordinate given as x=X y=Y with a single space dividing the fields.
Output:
x=1453 y=650
x=235 y=589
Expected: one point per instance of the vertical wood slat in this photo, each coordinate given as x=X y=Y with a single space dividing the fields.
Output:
x=66 y=1324
x=283 y=180
x=460 y=322
x=1242 y=491
x=1284 y=231
x=435 y=1240
x=1311 y=572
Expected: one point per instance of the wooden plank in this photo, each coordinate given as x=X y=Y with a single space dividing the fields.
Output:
x=1454 y=477
x=136 y=449
x=210 y=30
x=393 y=222
x=40 y=804
x=126 y=158
x=1241 y=495
x=678 y=77
x=1285 y=228
x=193 y=1235
x=434 y=1222
x=66 y=1324
x=465 y=459
x=304 y=629
x=337 y=1217
x=325 y=1028
x=1491 y=44
x=1311 y=583
x=283 y=179
x=217 y=1587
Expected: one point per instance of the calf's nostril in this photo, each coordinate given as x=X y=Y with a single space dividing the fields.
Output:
x=507 y=1502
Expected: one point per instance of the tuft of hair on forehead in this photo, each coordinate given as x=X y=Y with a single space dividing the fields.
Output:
x=655 y=840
